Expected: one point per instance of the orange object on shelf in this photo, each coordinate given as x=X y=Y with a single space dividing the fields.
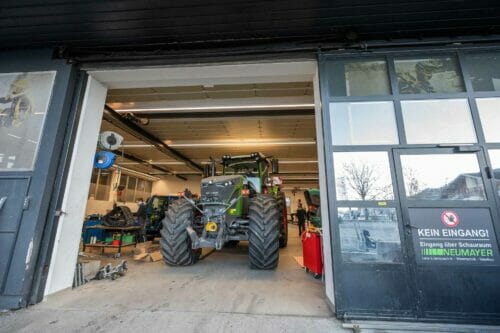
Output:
x=115 y=242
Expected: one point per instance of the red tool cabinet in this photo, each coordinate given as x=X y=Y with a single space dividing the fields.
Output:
x=311 y=251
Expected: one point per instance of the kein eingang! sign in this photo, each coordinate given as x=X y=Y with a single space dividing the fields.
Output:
x=453 y=236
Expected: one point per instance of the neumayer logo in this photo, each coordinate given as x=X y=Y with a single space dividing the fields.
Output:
x=450 y=218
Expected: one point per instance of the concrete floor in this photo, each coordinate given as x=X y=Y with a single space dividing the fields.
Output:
x=218 y=294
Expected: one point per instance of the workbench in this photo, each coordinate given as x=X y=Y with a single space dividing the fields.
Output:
x=131 y=229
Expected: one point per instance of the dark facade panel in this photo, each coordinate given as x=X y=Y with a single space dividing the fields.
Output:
x=92 y=26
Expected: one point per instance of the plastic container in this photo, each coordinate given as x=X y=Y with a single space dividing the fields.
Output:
x=91 y=221
x=311 y=251
x=115 y=242
x=128 y=238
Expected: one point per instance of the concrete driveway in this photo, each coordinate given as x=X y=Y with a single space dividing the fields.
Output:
x=218 y=294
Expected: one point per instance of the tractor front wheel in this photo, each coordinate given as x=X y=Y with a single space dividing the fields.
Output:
x=264 y=232
x=175 y=242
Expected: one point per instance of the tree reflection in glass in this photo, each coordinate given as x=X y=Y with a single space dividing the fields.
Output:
x=442 y=177
x=362 y=176
x=428 y=75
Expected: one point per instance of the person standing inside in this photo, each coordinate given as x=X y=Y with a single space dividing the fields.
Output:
x=301 y=217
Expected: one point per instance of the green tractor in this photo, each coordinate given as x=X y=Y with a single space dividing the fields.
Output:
x=242 y=204
x=313 y=203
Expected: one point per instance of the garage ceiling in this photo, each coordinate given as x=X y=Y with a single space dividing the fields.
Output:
x=285 y=133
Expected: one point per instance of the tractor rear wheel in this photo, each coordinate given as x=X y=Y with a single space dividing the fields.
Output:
x=264 y=232
x=175 y=242
x=283 y=221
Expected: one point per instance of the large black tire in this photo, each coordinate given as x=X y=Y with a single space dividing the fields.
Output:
x=283 y=221
x=175 y=242
x=264 y=232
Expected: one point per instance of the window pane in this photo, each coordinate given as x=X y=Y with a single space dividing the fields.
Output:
x=103 y=186
x=362 y=176
x=428 y=75
x=363 y=123
x=438 y=121
x=132 y=182
x=369 y=234
x=358 y=78
x=24 y=100
x=484 y=71
x=495 y=161
x=489 y=112
x=122 y=188
x=442 y=177
x=139 y=193
x=148 y=186
x=93 y=181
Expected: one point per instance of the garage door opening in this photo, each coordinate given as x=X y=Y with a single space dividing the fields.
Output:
x=181 y=137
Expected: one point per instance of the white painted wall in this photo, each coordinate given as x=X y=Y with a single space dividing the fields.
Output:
x=67 y=242
x=103 y=207
x=173 y=185
x=322 y=160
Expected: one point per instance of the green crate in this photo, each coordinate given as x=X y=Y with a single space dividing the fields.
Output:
x=128 y=238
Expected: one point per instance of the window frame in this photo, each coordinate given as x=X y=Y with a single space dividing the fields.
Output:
x=469 y=94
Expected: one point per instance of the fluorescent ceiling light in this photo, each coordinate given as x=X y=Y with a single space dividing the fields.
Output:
x=224 y=107
x=228 y=144
x=134 y=172
x=298 y=162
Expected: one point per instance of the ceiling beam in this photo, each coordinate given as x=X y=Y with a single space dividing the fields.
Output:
x=227 y=114
x=135 y=130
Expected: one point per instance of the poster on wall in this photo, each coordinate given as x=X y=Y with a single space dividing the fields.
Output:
x=24 y=101
x=462 y=236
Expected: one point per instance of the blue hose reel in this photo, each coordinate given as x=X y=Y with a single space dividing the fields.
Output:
x=104 y=159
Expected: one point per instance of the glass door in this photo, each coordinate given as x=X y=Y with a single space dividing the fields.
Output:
x=451 y=222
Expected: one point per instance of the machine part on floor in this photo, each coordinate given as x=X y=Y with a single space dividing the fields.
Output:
x=110 y=272
x=156 y=206
x=244 y=203
x=314 y=206
x=78 y=278
x=120 y=216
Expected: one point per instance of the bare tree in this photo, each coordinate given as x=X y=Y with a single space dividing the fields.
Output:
x=363 y=180
x=413 y=185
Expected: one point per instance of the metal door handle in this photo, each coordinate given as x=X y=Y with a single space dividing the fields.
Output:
x=2 y=202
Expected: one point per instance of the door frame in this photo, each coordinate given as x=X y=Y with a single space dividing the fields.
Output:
x=15 y=291
x=285 y=70
x=489 y=203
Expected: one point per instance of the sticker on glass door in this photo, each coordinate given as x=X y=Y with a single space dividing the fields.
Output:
x=453 y=236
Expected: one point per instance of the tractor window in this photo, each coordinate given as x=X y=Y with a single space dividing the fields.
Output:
x=250 y=169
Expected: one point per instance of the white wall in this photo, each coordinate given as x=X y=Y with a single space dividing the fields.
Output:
x=294 y=199
x=67 y=241
x=103 y=207
x=325 y=219
x=174 y=185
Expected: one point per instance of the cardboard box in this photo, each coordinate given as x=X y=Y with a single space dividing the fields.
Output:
x=143 y=247
x=155 y=256
x=140 y=256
